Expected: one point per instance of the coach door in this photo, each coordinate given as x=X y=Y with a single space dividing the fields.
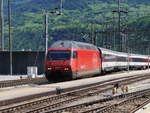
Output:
x=75 y=63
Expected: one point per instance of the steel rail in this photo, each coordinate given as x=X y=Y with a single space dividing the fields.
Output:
x=34 y=96
x=101 y=108
x=82 y=91
x=142 y=105
x=126 y=102
x=58 y=104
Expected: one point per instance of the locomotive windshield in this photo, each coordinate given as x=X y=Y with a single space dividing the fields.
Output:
x=59 y=55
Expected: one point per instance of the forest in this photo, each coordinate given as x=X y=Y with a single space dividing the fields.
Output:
x=92 y=21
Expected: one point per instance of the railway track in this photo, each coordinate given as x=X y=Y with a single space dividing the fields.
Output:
x=128 y=105
x=57 y=101
x=11 y=83
x=125 y=103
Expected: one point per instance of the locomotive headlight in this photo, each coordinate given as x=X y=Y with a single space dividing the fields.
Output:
x=66 y=69
x=49 y=68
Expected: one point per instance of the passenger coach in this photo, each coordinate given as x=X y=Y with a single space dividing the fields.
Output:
x=71 y=59
x=113 y=60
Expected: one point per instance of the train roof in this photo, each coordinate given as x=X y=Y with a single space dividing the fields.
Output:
x=116 y=53
x=82 y=45
x=73 y=44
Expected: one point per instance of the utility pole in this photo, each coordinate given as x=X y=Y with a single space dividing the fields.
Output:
x=61 y=6
x=46 y=14
x=148 y=54
x=119 y=15
x=1 y=26
x=128 y=63
x=46 y=32
x=2 y=13
x=10 y=38
x=119 y=11
x=119 y=18
x=114 y=33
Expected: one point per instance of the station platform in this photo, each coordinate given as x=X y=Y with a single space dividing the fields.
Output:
x=9 y=77
x=6 y=93
x=14 y=77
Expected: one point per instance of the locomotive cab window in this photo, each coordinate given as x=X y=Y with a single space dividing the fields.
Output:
x=75 y=55
x=59 y=55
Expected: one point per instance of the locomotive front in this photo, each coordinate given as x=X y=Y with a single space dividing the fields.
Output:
x=60 y=62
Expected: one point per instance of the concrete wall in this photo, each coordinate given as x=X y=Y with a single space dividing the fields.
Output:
x=20 y=61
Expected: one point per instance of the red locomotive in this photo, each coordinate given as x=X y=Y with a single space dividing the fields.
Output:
x=70 y=60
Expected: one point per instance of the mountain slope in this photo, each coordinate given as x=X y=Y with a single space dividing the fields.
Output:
x=78 y=16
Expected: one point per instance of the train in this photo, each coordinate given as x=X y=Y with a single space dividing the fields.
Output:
x=67 y=60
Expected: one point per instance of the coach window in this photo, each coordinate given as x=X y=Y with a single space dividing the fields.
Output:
x=75 y=55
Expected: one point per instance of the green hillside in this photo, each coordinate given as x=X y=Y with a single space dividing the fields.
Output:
x=80 y=20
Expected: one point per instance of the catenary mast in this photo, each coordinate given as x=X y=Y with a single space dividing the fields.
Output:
x=1 y=26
